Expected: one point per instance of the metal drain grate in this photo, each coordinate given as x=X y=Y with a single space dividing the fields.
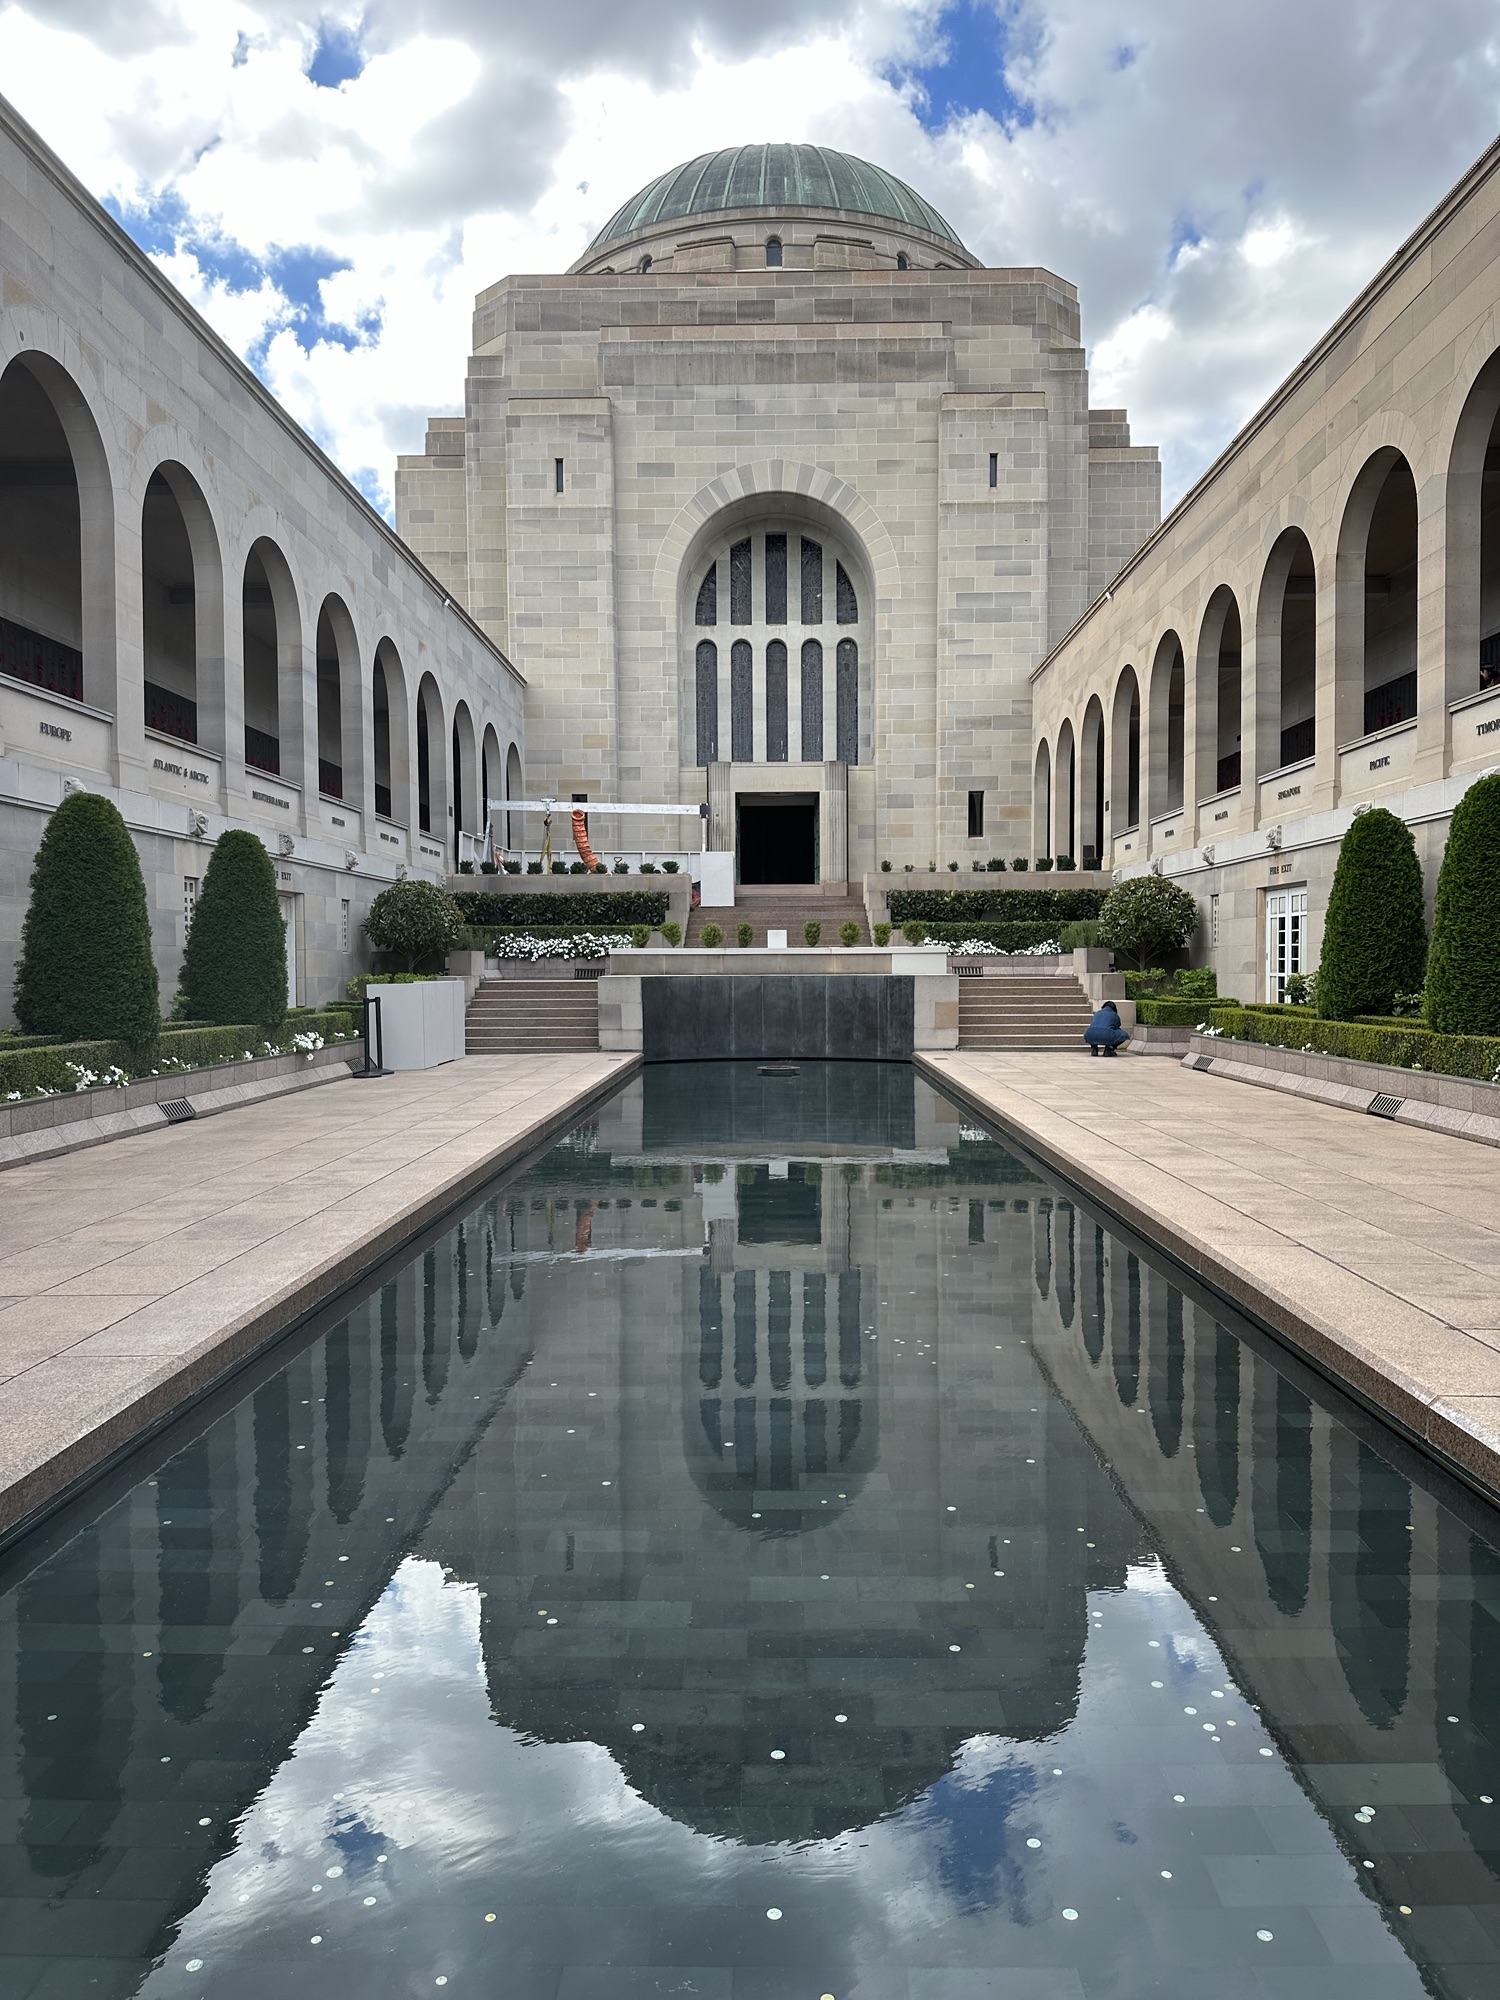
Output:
x=1203 y=1062
x=588 y=971
x=969 y=971
x=176 y=1110
x=1385 y=1107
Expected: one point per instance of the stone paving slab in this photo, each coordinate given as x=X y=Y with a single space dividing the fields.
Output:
x=1373 y=1247
x=133 y=1277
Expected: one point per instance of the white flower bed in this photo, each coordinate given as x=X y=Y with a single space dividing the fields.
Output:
x=582 y=944
x=973 y=947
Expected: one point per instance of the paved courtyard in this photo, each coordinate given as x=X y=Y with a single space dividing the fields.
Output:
x=133 y=1274
x=1372 y=1246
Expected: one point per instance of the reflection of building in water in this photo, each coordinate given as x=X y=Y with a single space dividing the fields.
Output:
x=524 y=1401
x=1356 y=1610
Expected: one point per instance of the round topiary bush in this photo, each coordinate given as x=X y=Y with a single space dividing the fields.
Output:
x=1146 y=918
x=1463 y=971
x=413 y=921
x=711 y=936
x=1375 y=932
x=86 y=971
x=234 y=969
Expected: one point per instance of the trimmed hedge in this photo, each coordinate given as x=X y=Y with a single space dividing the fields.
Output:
x=1170 y=1013
x=1375 y=932
x=86 y=968
x=1463 y=972
x=28 y=1070
x=999 y=904
x=607 y=909
x=235 y=961
x=1412 y=1046
x=1004 y=937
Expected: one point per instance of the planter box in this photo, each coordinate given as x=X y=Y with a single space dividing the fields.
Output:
x=421 y=1025
x=1451 y=1104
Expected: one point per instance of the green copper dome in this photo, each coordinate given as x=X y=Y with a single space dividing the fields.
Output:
x=775 y=177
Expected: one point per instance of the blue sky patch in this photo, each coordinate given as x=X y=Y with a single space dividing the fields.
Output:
x=970 y=72
x=163 y=225
x=337 y=55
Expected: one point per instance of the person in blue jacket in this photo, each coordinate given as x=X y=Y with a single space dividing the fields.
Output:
x=1104 y=1033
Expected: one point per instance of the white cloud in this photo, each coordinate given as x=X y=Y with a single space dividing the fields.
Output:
x=1217 y=182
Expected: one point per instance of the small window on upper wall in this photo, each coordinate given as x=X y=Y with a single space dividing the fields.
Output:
x=903 y=262
x=708 y=598
x=976 y=815
x=557 y=475
x=994 y=468
x=773 y=253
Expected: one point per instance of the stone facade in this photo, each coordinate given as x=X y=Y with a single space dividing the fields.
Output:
x=874 y=392
x=1314 y=628
x=200 y=617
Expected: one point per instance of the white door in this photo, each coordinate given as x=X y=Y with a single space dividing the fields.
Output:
x=289 y=925
x=1286 y=939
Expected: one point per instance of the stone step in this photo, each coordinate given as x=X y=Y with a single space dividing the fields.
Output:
x=521 y=1016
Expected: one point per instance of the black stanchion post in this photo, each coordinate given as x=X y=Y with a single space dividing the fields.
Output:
x=376 y=1068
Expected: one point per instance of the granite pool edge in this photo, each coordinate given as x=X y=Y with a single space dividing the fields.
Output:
x=40 y=1489
x=1428 y=1420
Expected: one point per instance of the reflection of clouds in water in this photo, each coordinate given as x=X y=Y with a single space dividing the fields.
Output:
x=473 y=1818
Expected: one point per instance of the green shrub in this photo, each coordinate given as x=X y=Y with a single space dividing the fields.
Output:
x=914 y=933
x=640 y=936
x=86 y=969
x=1145 y=985
x=673 y=934
x=711 y=936
x=885 y=867
x=234 y=968
x=1172 y=1012
x=849 y=932
x=812 y=933
x=1066 y=864
x=55 y=1066
x=1020 y=864
x=995 y=903
x=1463 y=973
x=1406 y=1047
x=744 y=935
x=598 y=909
x=1080 y=936
x=1147 y=917
x=882 y=935
x=1003 y=937
x=1044 y=862
x=1196 y=982
x=1374 y=935
x=413 y=920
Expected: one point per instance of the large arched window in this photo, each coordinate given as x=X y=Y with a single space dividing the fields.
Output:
x=390 y=735
x=180 y=604
x=1218 y=745
x=272 y=651
x=1286 y=624
x=1125 y=765
x=1091 y=790
x=783 y=587
x=1164 y=753
x=338 y=704
x=1378 y=545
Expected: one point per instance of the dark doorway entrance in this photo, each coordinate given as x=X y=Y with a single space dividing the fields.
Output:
x=777 y=837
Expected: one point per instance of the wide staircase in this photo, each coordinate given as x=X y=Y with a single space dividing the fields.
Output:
x=785 y=911
x=1021 y=1010
x=514 y=1017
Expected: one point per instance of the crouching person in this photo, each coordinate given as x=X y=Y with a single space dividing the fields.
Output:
x=1104 y=1033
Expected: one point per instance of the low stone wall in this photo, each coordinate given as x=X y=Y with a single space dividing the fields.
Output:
x=1450 y=1104
x=41 y=1127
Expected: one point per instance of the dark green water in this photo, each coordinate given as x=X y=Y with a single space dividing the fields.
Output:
x=776 y=1547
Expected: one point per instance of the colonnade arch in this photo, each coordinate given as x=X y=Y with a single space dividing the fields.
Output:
x=432 y=778
x=1286 y=632
x=1064 y=787
x=1092 y=784
x=182 y=610
x=465 y=796
x=391 y=731
x=1164 y=752
x=1125 y=754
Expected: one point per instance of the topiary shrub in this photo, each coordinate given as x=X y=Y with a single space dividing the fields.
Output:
x=673 y=934
x=711 y=936
x=914 y=933
x=1146 y=918
x=744 y=935
x=1374 y=935
x=1463 y=972
x=640 y=936
x=413 y=921
x=881 y=934
x=234 y=968
x=812 y=932
x=86 y=970
x=849 y=932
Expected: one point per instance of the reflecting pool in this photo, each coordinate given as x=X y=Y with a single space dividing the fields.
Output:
x=778 y=1545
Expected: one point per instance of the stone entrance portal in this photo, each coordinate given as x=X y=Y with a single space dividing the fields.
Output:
x=776 y=837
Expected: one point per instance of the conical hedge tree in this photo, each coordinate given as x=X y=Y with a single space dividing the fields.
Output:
x=1375 y=933
x=1463 y=977
x=86 y=971
x=234 y=968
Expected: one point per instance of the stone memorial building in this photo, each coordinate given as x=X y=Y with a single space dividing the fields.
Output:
x=777 y=497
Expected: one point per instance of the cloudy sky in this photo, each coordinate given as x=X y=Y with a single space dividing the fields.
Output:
x=331 y=187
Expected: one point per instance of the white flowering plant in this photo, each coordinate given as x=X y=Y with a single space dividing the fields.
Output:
x=582 y=944
x=975 y=947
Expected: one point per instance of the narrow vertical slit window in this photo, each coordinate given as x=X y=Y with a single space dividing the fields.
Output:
x=344 y=924
x=707 y=612
x=707 y=691
x=812 y=582
x=189 y=903
x=739 y=583
x=776 y=717
x=776 y=579
x=847 y=602
x=976 y=815
x=994 y=468
x=812 y=701
x=847 y=688
x=557 y=475
x=741 y=702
